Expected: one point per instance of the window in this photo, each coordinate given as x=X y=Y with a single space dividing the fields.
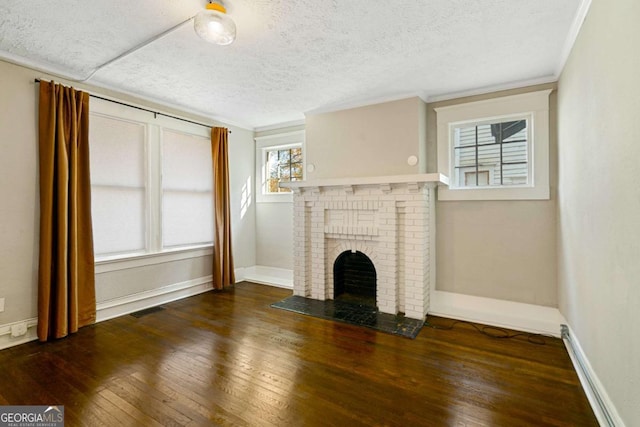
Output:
x=491 y=154
x=117 y=179
x=279 y=158
x=187 y=186
x=283 y=165
x=151 y=183
x=497 y=149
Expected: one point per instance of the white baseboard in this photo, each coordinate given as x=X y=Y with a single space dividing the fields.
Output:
x=116 y=307
x=507 y=314
x=603 y=408
x=7 y=340
x=272 y=276
x=513 y=315
x=139 y=301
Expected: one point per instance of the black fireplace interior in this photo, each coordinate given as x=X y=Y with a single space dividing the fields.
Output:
x=354 y=279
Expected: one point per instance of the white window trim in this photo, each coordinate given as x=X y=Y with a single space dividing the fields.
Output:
x=124 y=262
x=154 y=253
x=272 y=142
x=532 y=104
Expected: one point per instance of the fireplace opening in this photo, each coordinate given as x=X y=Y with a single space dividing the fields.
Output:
x=354 y=278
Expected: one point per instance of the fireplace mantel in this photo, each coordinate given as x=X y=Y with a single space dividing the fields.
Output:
x=434 y=178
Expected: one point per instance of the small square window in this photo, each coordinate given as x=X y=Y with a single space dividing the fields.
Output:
x=496 y=148
x=491 y=154
x=279 y=158
x=282 y=165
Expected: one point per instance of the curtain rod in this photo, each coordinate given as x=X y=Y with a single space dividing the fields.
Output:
x=155 y=113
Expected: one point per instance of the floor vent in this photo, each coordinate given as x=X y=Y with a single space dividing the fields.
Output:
x=139 y=314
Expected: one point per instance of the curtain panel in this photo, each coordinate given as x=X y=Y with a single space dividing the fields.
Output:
x=223 y=274
x=66 y=280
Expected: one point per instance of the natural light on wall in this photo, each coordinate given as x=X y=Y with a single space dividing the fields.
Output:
x=245 y=197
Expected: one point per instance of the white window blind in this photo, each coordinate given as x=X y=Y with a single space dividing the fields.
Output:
x=118 y=185
x=187 y=186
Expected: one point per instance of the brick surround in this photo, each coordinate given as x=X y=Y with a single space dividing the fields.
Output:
x=389 y=219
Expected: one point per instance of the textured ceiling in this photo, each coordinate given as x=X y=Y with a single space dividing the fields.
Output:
x=292 y=56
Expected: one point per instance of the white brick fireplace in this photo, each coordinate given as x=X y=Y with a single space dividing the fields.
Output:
x=389 y=219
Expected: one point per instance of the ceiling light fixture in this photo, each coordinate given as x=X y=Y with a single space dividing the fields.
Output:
x=214 y=25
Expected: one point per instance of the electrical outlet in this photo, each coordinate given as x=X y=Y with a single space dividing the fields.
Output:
x=1 y=305
x=18 y=329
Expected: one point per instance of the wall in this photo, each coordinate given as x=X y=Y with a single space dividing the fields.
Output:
x=599 y=199
x=497 y=249
x=375 y=140
x=19 y=215
x=274 y=223
x=274 y=238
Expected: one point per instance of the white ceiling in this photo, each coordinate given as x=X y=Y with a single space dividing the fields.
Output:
x=292 y=57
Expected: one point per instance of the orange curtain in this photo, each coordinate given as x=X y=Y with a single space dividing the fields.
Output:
x=223 y=275
x=66 y=281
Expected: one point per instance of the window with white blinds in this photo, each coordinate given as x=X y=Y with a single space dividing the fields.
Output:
x=118 y=185
x=187 y=186
x=151 y=183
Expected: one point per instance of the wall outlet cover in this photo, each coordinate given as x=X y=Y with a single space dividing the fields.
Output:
x=1 y=305
x=18 y=329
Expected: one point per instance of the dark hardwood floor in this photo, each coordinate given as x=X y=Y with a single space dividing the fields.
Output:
x=229 y=359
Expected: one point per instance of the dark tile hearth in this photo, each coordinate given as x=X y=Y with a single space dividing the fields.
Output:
x=354 y=314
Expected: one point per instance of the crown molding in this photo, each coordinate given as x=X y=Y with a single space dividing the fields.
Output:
x=576 y=26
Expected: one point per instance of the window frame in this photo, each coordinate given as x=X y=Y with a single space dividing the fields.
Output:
x=154 y=251
x=278 y=141
x=534 y=106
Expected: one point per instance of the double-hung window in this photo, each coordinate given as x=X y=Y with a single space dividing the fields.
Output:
x=497 y=149
x=118 y=185
x=187 y=185
x=151 y=183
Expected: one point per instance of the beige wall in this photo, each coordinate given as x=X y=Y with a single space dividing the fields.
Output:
x=274 y=235
x=18 y=193
x=274 y=222
x=19 y=214
x=367 y=141
x=497 y=249
x=119 y=283
x=599 y=198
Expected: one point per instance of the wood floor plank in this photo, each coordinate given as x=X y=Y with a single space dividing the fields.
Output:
x=228 y=358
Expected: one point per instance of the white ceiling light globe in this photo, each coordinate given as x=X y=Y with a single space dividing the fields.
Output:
x=214 y=26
